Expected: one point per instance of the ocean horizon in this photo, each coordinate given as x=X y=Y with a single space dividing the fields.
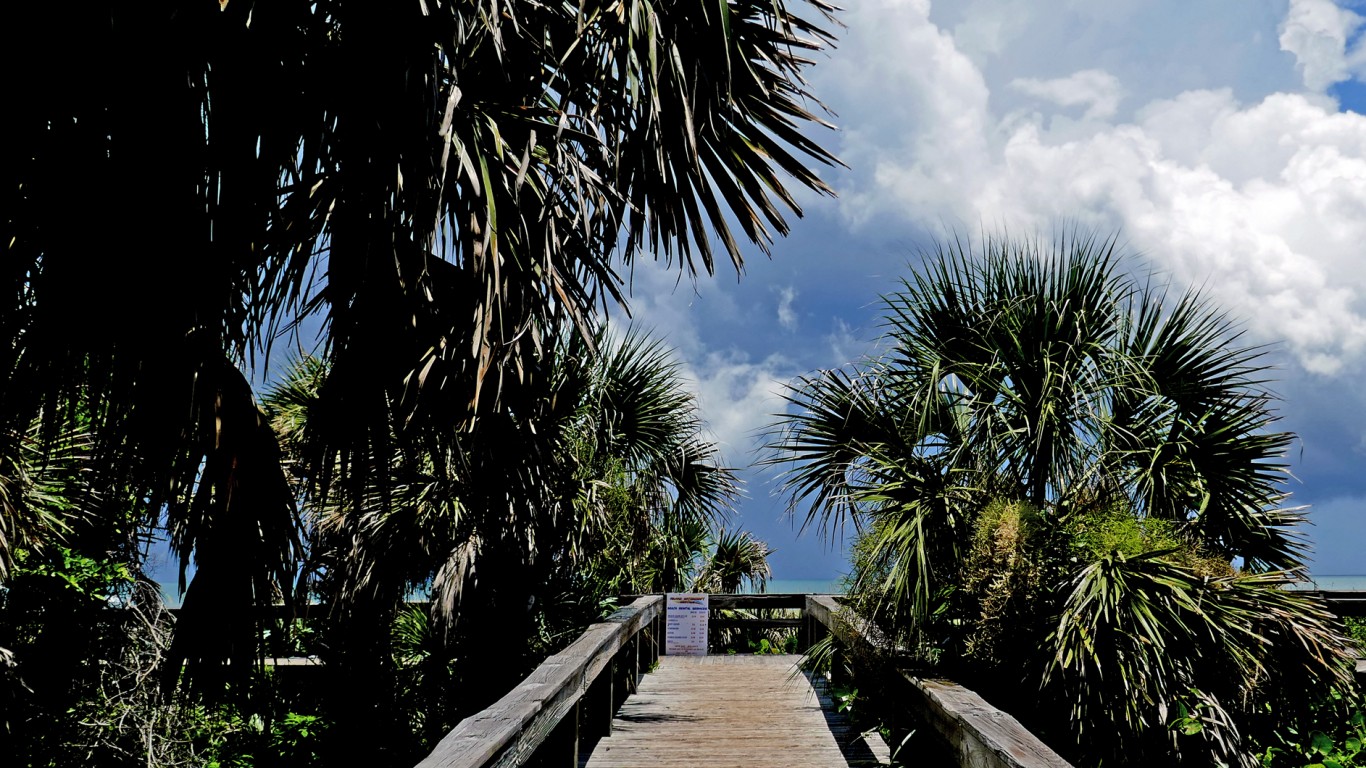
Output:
x=1334 y=582
x=835 y=586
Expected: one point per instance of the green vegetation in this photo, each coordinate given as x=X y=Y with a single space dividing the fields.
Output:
x=450 y=191
x=610 y=488
x=1066 y=488
x=1055 y=470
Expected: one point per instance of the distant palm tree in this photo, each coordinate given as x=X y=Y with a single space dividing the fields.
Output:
x=1061 y=471
x=736 y=559
x=441 y=183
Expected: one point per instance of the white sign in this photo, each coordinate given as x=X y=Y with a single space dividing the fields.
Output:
x=685 y=622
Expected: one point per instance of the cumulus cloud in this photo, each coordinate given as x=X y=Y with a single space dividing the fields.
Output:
x=1262 y=203
x=739 y=397
x=989 y=25
x=1318 y=33
x=737 y=392
x=924 y=123
x=1097 y=90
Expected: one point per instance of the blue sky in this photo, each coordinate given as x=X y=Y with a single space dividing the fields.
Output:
x=1224 y=140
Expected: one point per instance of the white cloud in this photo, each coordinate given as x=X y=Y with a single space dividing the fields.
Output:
x=787 y=316
x=737 y=394
x=1317 y=32
x=739 y=397
x=989 y=25
x=1263 y=203
x=1097 y=90
x=923 y=103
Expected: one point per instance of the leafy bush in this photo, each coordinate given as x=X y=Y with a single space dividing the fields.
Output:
x=1341 y=746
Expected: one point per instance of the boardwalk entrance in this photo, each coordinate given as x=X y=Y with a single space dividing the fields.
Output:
x=609 y=700
x=749 y=711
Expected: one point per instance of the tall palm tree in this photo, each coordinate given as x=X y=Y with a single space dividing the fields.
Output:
x=437 y=181
x=1050 y=449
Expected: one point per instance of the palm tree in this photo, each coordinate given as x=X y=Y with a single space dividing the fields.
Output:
x=439 y=182
x=736 y=558
x=580 y=495
x=1051 y=449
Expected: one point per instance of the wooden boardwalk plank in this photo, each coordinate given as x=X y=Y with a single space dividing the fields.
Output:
x=749 y=711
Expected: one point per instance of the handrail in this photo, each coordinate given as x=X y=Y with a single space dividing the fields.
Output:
x=564 y=700
x=568 y=701
x=1343 y=602
x=977 y=733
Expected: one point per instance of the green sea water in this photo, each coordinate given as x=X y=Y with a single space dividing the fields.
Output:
x=1349 y=582
x=805 y=586
x=1335 y=582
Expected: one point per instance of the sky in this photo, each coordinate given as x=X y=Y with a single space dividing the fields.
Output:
x=1223 y=141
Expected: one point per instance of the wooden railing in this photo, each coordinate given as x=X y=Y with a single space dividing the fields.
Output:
x=972 y=732
x=1343 y=602
x=567 y=702
x=723 y=618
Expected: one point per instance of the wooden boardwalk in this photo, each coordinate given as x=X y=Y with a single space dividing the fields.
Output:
x=749 y=711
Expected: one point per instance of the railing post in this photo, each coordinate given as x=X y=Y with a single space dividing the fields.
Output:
x=838 y=673
x=611 y=695
x=635 y=664
x=655 y=638
x=578 y=735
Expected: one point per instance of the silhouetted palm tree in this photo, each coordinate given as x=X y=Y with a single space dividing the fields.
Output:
x=435 y=181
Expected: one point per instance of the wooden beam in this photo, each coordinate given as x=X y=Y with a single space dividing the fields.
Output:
x=755 y=602
x=724 y=623
x=510 y=731
x=979 y=734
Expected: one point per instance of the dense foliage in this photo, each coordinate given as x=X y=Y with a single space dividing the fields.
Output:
x=437 y=183
x=1067 y=490
x=443 y=188
x=609 y=488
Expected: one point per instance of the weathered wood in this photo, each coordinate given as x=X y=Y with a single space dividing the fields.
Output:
x=980 y=735
x=507 y=733
x=293 y=661
x=724 y=623
x=754 y=602
x=822 y=609
x=751 y=711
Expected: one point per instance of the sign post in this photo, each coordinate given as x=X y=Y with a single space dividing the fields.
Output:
x=685 y=624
